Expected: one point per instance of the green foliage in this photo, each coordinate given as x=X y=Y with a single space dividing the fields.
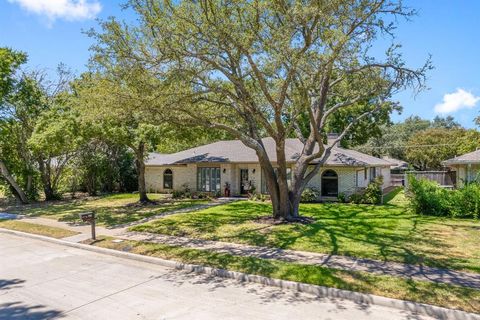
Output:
x=439 y=144
x=465 y=202
x=310 y=194
x=423 y=143
x=10 y=61
x=371 y=195
x=394 y=137
x=386 y=232
x=101 y=167
x=429 y=198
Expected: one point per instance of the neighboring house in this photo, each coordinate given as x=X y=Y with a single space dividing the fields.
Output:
x=210 y=167
x=397 y=170
x=397 y=165
x=467 y=167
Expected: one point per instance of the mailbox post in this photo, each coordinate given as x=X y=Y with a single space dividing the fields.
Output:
x=89 y=217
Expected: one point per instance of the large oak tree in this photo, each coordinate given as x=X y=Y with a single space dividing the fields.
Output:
x=253 y=68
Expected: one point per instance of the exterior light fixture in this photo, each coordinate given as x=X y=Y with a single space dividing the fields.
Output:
x=253 y=171
x=224 y=170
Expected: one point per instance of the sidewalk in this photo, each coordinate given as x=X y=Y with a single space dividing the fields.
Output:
x=417 y=272
x=422 y=273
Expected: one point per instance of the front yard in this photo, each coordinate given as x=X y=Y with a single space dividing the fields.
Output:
x=387 y=233
x=111 y=210
x=449 y=296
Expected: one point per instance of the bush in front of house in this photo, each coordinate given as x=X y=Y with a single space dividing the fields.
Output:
x=371 y=195
x=310 y=195
x=465 y=202
x=429 y=198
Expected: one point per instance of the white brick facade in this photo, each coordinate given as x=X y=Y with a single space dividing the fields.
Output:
x=349 y=178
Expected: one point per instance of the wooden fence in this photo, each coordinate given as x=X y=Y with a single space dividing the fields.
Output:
x=397 y=179
x=446 y=179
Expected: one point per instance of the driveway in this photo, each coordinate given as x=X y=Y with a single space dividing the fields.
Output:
x=42 y=280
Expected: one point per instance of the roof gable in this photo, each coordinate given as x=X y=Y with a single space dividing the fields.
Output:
x=472 y=157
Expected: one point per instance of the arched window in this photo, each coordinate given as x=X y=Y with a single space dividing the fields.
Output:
x=168 y=179
x=329 y=184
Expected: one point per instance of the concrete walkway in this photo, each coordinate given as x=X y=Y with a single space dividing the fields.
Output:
x=416 y=272
x=410 y=271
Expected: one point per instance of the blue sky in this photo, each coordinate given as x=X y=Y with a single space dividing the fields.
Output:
x=448 y=30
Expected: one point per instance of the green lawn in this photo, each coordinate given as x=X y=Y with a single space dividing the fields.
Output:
x=449 y=296
x=387 y=233
x=111 y=210
x=53 y=232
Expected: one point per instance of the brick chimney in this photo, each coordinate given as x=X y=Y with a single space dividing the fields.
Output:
x=331 y=137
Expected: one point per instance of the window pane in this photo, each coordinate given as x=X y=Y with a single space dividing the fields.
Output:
x=219 y=187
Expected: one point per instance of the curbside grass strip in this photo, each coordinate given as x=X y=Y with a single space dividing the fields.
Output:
x=320 y=291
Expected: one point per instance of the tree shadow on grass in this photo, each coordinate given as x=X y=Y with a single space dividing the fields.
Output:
x=386 y=233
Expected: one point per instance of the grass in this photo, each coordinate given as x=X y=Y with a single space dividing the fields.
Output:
x=449 y=296
x=53 y=232
x=111 y=210
x=388 y=233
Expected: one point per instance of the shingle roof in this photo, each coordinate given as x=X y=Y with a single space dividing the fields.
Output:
x=396 y=163
x=472 y=157
x=235 y=151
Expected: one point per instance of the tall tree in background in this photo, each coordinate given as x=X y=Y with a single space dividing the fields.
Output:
x=394 y=138
x=10 y=61
x=113 y=108
x=428 y=148
x=252 y=68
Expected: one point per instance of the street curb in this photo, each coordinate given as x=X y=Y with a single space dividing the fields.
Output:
x=320 y=291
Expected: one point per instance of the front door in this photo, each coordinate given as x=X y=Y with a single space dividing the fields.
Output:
x=244 y=185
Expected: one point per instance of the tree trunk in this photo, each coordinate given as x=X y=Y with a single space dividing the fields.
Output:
x=46 y=180
x=285 y=199
x=18 y=192
x=140 y=162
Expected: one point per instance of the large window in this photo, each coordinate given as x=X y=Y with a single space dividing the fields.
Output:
x=208 y=179
x=373 y=174
x=168 y=179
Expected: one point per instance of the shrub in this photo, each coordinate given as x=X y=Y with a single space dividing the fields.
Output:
x=257 y=197
x=178 y=194
x=342 y=197
x=373 y=192
x=371 y=195
x=427 y=197
x=356 y=198
x=465 y=202
x=309 y=195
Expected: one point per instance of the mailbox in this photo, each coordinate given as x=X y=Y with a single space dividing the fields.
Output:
x=87 y=216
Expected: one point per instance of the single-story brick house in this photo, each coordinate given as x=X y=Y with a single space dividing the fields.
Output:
x=467 y=167
x=210 y=167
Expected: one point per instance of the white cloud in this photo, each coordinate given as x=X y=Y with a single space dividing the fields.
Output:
x=63 y=9
x=455 y=101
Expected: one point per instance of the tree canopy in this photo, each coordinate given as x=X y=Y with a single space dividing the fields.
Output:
x=254 y=68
